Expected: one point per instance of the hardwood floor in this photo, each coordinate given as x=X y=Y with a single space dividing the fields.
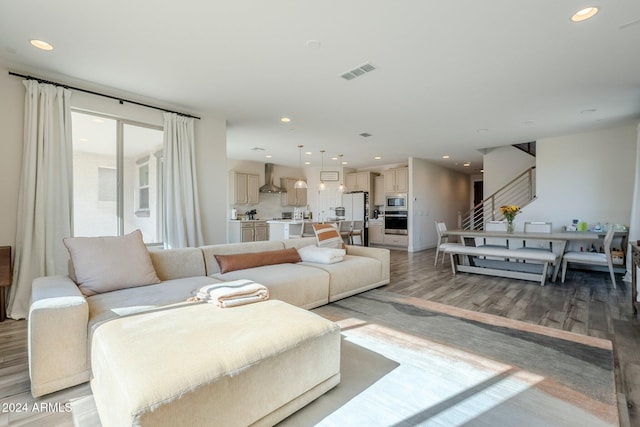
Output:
x=585 y=304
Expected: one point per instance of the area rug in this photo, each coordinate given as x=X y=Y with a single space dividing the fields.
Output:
x=410 y=362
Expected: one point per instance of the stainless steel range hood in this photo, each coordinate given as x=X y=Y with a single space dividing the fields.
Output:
x=269 y=186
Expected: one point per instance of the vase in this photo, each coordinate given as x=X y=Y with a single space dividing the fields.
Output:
x=510 y=227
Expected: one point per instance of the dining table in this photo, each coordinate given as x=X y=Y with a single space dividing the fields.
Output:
x=559 y=239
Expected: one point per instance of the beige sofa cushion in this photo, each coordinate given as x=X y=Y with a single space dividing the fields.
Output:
x=178 y=263
x=297 y=284
x=353 y=275
x=103 y=264
x=112 y=305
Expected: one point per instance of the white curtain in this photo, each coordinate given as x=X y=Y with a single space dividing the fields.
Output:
x=46 y=188
x=182 y=210
x=634 y=222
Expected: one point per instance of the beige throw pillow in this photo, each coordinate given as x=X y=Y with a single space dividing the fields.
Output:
x=103 y=264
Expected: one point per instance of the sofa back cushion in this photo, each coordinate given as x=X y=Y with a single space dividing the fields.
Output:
x=211 y=251
x=103 y=264
x=178 y=263
x=235 y=262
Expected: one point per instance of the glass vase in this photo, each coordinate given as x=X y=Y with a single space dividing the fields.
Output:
x=510 y=226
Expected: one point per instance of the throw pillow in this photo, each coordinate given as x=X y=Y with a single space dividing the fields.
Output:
x=103 y=264
x=327 y=236
x=243 y=261
x=321 y=255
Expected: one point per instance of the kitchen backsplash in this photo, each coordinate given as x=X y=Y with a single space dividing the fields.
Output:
x=270 y=206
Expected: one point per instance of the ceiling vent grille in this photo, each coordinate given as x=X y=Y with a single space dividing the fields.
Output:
x=357 y=72
x=365 y=134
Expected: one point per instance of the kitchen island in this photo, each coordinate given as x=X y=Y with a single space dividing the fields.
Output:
x=282 y=229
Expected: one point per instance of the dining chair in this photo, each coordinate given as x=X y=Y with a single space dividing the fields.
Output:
x=492 y=241
x=344 y=228
x=537 y=227
x=357 y=229
x=443 y=241
x=307 y=230
x=592 y=258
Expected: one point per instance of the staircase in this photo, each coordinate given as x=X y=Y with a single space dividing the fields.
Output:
x=520 y=191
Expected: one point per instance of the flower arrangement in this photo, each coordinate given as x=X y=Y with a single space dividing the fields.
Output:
x=510 y=212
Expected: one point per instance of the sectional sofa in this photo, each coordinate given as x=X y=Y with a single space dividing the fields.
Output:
x=62 y=320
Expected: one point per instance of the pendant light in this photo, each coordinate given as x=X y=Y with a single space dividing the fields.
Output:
x=341 y=187
x=300 y=183
x=321 y=186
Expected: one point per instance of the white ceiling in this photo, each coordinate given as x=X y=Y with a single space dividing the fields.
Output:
x=452 y=77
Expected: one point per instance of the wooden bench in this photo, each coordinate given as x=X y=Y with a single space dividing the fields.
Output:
x=504 y=267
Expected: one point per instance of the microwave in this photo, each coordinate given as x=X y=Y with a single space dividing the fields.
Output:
x=396 y=201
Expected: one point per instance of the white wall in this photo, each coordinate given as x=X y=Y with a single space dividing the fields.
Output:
x=210 y=150
x=587 y=176
x=436 y=194
x=501 y=165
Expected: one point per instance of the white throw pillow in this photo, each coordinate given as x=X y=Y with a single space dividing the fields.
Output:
x=103 y=264
x=321 y=255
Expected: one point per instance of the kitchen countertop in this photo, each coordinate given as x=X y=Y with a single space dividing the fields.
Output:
x=247 y=220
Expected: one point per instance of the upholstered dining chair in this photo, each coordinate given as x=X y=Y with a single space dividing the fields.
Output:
x=537 y=227
x=307 y=230
x=344 y=228
x=443 y=241
x=592 y=258
x=357 y=229
x=492 y=241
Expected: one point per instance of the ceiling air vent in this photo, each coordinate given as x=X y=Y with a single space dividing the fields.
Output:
x=357 y=72
x=365 y=134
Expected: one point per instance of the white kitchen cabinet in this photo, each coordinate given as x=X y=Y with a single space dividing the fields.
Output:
x=293 y=196
x=360 y=181
x=396 y=180
x=245 y=188
x=378 y=192
x=376 y=234
x=396 y=240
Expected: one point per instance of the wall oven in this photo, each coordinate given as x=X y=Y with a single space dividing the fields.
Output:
x=396 y=202
x=395 y=222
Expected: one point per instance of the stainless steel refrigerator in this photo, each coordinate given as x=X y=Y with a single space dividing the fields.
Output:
x=356 y=207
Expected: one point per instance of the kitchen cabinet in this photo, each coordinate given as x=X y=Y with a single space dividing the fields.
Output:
x=396 y=240
x=245 y=188
x=378 y=192
x=376 y=234
x=396 y=180
x=293 y=196
x=360 y=181
x=248 y=231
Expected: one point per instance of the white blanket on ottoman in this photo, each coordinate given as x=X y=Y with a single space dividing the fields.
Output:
x=231 y=294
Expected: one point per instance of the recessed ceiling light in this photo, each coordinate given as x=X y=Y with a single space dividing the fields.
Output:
x=285 y=120
x=308 y=152
x=41 y=44
x=307 y=163
x=446 y=156
x=481 y=170
x=268 y=156
x=334 y=158
x=466 y=164
x=345 y=163
x=584 y=14
x=377 y=158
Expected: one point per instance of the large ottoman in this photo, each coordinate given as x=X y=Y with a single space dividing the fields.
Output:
x=197 y=364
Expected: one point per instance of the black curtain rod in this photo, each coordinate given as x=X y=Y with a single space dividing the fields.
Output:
x=120 y=100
